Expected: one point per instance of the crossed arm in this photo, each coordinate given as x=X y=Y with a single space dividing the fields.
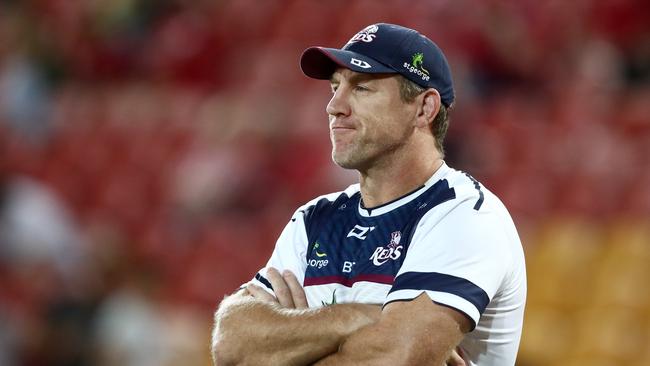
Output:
x=254 y=328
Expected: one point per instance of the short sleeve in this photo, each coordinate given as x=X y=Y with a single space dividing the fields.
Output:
x=459 y=260
x=289 y=252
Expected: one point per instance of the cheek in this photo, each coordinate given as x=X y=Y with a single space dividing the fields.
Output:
x=389 y=123
x=385 y=118
x=379 y=115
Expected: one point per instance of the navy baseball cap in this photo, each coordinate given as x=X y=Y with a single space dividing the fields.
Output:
x=385 y=48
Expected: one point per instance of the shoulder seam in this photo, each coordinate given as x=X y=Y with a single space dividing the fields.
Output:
x=477 y=186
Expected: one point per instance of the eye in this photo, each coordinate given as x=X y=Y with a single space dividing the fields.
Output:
x=334 y=88
x=362 y=88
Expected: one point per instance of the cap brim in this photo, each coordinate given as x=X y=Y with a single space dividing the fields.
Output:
x=321 y=62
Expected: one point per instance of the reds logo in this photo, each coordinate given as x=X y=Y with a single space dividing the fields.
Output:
x=392 y=251
x=366 y=35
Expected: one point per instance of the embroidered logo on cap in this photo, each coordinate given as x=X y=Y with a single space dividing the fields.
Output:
x=418 y=59
x=360 y=63
x=416 y=67
x=367 y=34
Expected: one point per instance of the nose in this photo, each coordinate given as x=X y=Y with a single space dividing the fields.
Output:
x=338 y=105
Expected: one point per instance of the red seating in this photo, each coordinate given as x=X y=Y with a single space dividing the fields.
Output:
x=185 y=132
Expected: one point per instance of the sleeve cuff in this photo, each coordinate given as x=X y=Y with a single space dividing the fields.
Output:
x=442 y=298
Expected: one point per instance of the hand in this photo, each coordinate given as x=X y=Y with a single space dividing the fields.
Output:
x=288 y=291
x=456 y=359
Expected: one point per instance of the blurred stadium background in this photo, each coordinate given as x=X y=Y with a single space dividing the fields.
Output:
x=151 y=151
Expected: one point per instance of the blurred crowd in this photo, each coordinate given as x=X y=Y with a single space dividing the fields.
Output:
x=152 y=150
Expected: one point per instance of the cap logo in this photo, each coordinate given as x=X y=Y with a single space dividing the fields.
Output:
x=367 y=34
x=360 y=63
x=416 y=67
x=418 y=59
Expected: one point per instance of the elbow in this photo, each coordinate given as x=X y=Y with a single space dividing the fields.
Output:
x=223 y=354
x=224 y=348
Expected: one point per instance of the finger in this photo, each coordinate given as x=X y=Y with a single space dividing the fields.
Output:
x=297 y=292
x=461 y=354
x=455 y=359
x=260 y=294
x=282 y=292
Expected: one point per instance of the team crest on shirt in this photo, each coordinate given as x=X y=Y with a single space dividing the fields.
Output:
x=391 y=251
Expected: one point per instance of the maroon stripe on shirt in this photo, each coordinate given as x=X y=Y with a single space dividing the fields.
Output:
x=348 y=282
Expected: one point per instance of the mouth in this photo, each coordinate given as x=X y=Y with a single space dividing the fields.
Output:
x=342 y=128
x=341 y=132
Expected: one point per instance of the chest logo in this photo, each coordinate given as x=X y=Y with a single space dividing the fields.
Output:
x=360 y=232
x=322 y=261
x=318 y=254
x=391 y=251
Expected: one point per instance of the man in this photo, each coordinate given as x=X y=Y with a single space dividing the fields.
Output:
x=430 y=244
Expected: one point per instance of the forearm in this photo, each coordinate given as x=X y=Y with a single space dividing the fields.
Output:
x=362 y=349
x=397 y=339
x=251 y=332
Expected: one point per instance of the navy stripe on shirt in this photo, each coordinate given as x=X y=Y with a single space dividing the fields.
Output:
x=264 y=281
x=440 y=282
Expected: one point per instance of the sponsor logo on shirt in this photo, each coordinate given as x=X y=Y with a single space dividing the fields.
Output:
x=318 y=254
x=391 y=251
x=317 y=263
x=360 y=232
x=320 y=262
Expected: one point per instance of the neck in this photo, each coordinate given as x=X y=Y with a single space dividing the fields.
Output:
x=384 y=184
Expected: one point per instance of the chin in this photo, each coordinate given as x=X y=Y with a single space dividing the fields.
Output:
x=342 y=161
x=346 y=162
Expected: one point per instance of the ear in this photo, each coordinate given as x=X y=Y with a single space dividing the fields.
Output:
x=429 y=107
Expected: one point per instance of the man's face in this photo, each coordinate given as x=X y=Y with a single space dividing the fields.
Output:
x=368 y=120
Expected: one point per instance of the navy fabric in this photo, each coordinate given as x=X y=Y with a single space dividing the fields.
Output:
x=345 y=247
x=266 y=282
x=441 y=282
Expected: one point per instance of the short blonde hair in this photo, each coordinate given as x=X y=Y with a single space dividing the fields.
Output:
x=408 y=90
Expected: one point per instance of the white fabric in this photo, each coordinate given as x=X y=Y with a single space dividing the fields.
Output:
x=452 y=239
